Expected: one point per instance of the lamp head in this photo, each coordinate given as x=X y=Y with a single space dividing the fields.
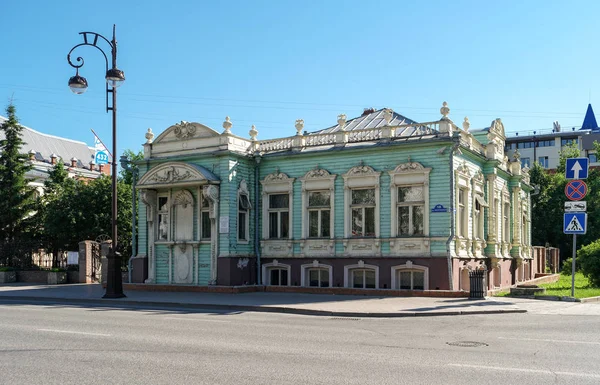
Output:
x=115 y=77
x=78 y=84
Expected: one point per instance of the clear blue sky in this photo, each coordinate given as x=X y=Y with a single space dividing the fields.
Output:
x=269 y=63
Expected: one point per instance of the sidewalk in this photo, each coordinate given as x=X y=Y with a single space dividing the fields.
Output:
x=292 y=303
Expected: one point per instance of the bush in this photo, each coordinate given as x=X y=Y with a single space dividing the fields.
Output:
x=567 y=267
x=589 y=258
x=57 y=270
x=6 y=268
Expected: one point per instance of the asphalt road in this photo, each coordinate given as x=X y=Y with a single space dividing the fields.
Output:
x=66 y=344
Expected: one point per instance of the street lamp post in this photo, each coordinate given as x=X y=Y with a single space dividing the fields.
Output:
x=78 y=84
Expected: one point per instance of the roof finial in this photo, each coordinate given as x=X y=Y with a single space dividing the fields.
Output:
x=227 y=125
x=466 y=124
x=253 y=133
x=149 y=136
x=341 y=119
x=299 y=126
x=388 y=114
x=445 y=110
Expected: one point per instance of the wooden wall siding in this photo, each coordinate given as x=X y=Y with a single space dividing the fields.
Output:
x=161 y=253
x=382 y=160
x=204 y=264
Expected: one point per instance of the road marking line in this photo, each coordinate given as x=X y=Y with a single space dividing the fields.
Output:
x=195 y=319
x=72 y=332
x=547 y=340
x=537 y=371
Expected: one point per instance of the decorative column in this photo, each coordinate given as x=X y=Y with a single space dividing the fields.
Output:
x=149 y=199
x=211 y=192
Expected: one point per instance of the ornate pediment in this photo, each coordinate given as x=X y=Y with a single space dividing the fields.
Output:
x=174 y=173
x=317 y=173
x=277 y=176
x=464 y=169
x=409 y=167
x=185 y=131
x=361 y=170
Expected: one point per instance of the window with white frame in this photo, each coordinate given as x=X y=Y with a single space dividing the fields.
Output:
x=478 y=216
x=276 y=274
x=205 y=225
x=279 y=216
x=163 y=230
x=361 y=202
x=410 y=277
x=277 y=203
x=363 y=207
x=317 y=277
x=461 y=223
x=243 y=212
x=363 y=278
x=409 y=190
x=506 y=222
x=411 y=207
x=319 y=214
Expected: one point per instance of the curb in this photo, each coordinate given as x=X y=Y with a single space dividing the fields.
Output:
x=258 y=308
x=590 y=299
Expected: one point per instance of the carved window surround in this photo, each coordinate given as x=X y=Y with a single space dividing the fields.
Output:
x=317 y=180
x=277 y=183
x=407 y=175
x=410 y=267
x=314 y=265
x=478 y=215
x=359 y=266
x=361 y=177
x=463 y=241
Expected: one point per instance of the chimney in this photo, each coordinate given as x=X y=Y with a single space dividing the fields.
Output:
x=31 y=155
x=368 y=111
x=101 y=168
x=92 y=164
x=73 y=162
x=53 y=158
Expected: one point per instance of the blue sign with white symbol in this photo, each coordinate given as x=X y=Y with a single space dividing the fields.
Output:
x=439 y=209
x=577 y=168
x=101 y=157
x=575 y=223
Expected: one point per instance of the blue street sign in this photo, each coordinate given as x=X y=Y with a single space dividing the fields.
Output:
x=101 y=157
x=439 y=209
x=575 y=223
x=577 y=168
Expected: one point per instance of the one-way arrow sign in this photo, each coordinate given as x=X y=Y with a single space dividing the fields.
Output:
x=577 y=168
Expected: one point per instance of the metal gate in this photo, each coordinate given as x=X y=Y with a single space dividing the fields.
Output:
x=96 y=262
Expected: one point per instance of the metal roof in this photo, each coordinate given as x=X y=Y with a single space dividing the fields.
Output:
x=370 y=120
x=45 y=145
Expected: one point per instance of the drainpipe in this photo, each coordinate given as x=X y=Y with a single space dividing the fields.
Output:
x=256 y=211
x=133 y=223
x=452 y=214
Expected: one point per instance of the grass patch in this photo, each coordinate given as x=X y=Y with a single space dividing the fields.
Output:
x=562 y=287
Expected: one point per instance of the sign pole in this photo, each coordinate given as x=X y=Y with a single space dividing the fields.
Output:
x=573 y=266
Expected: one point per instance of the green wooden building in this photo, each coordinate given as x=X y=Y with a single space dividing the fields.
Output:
x=377 y=201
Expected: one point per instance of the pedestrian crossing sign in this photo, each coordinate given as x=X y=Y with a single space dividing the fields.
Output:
x=575 y=223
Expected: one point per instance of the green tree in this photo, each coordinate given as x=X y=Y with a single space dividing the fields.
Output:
x=588 y=257
x=18 y=201
x=127 y=174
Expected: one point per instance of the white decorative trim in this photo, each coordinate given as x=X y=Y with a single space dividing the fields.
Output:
x=318 y=179
x=409 y=174
x=410 y=266
x=170 y=174
x=277 y=183
x=360 y=177
x=275 y=264
x=360 y=265
x=314 y=265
